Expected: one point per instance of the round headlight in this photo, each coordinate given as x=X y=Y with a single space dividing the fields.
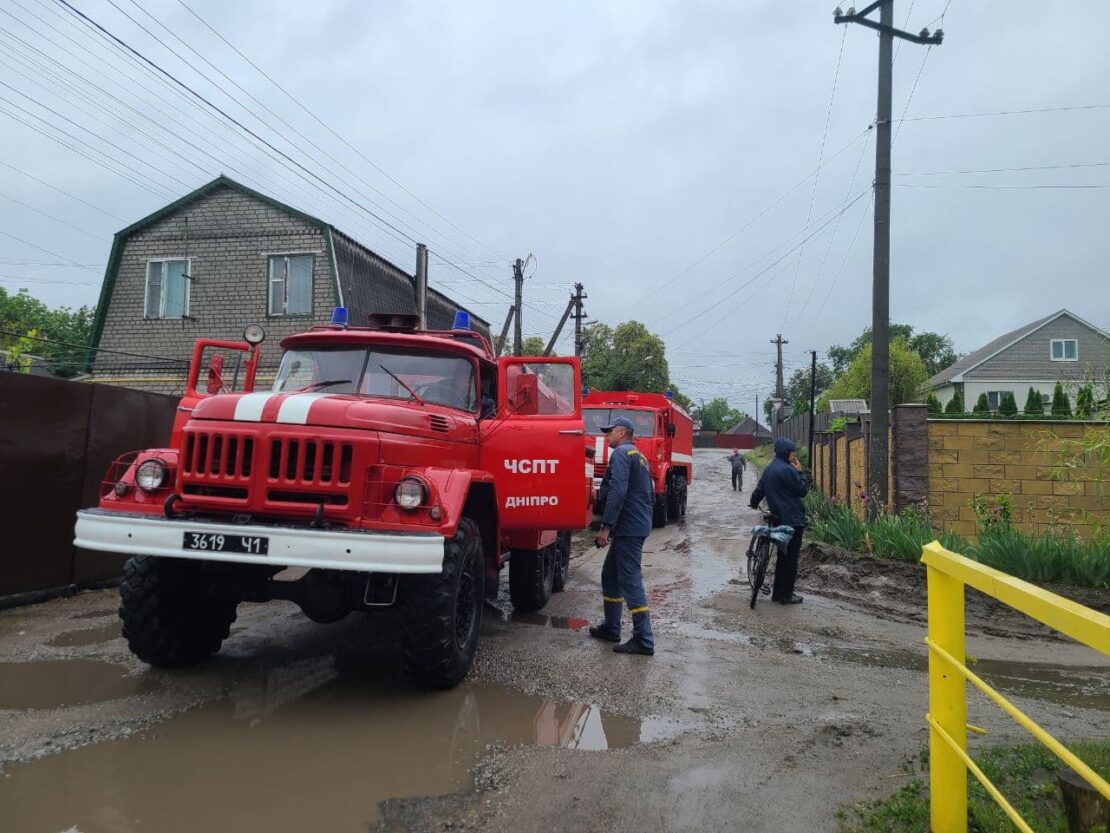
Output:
x=409 y=493
x=253 y=334
x=151 y=475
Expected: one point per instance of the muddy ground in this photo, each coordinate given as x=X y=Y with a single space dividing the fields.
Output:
x=764 y=720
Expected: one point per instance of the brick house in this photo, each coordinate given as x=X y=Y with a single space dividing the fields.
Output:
x=1059 y=348
x=224 y=256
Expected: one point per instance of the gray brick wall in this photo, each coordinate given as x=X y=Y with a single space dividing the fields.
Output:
x=1029 y=359
x=227 y=236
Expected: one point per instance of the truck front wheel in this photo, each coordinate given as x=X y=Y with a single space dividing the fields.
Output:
x=676 y=499
x=532 y=577
x=171 y=616
x=441 y=615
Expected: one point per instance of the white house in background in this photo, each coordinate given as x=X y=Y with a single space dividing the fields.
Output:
x=1060 y=348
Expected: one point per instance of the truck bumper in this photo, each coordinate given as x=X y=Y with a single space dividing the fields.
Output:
x=372 y=552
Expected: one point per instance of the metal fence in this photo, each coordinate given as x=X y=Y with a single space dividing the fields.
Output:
x=57 y=439
x=947 y=576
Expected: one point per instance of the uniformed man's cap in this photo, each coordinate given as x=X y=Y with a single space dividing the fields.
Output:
x=619 y=422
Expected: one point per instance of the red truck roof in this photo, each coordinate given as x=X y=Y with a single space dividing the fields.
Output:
x=633 y=399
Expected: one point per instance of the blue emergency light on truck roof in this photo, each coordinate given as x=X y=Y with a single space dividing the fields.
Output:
x=339 y=317
x=462 y=320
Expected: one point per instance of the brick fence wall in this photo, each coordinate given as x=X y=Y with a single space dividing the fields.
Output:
x=945 y=464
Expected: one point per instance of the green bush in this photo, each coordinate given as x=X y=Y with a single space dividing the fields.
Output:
x=982 y=406
x=933 y=405
x=1061 y=406
x=956 y=403
x=1007 y=407
x=1034 y=404
x=1085 y=402
x=1045 y=558
x=833 y=522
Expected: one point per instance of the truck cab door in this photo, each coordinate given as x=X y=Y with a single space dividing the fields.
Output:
x=534 y=446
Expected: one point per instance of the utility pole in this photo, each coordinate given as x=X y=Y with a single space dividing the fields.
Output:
x=812 y=397
x=880 y=286
x=579 y=297
x=422 y=286
x=776 y=408
x=518 y=295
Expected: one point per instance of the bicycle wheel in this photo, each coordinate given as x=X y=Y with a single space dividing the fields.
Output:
x=755 y=578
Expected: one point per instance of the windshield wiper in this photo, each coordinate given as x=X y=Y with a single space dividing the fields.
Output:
x=402 y=383
x=326 y=384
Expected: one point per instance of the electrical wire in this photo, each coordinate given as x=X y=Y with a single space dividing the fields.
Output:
x=46 y=184
x=30 y=207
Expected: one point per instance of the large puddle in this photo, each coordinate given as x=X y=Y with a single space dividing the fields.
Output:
x=314 y=745
x=90 y=636
x=51 y=684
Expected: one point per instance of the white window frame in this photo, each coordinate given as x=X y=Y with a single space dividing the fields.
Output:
x=270 y=258
x=188 y=261
x=1063 y=342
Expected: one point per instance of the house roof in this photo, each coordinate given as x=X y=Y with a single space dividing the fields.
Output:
x=954 y=372
x=345 y=280
x=749 y=426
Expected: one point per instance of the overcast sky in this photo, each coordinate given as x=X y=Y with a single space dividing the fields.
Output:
x=621 y=143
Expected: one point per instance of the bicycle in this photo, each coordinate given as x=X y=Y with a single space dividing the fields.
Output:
x=759 y=553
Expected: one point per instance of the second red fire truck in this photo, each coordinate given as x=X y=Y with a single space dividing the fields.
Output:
x=664 y=434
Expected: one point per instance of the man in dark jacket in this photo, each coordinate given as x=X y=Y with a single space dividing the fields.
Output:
x=627 y=495
x=738 y=463
x=784 y=485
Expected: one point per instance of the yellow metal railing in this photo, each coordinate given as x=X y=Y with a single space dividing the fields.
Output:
x=949 y=763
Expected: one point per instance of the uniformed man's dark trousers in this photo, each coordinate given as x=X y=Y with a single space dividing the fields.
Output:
x=786 y=568
x=622 y=581
x=737 y=480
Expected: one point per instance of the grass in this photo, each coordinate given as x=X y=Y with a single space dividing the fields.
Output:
x=1025 y=774
x=761 y=456
x=1037 y=558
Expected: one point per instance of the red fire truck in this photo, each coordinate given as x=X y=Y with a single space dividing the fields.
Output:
x=388 y=467
x=664 y=434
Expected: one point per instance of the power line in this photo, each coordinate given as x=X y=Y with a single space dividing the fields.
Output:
x=1058 y=167
x=90 y=348
x=28 y=279
x=60 y=191
x=816 y=178
x=1026 y=111
x=30 y=207
x=1004 y=187
x=46 y=251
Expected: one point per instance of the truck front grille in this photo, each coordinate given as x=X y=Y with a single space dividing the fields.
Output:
x=307 y=462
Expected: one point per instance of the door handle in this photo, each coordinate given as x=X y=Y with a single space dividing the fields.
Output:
x=578 y=432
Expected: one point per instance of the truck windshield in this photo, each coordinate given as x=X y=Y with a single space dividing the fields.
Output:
x=597 y=417
x=441 y=379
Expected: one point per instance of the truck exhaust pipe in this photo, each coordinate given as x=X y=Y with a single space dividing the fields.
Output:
x=421 y=286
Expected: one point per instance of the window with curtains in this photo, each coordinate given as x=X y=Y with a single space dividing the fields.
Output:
x=167 y=289
x=291 y=285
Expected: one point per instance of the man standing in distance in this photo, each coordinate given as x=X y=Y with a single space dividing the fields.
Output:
x=738 y=463
x=784 y=485
x=627 y=496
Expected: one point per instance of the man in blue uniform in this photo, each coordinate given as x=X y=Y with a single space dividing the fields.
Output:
x=626 y=498
x=784 y=485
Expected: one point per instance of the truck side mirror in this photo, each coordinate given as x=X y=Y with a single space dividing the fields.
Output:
x=672 y=429
x=525 y=400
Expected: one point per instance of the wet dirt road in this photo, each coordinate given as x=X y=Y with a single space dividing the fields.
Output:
x=761 y=720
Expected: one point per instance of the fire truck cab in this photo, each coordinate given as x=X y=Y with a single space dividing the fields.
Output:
x=664 y=434
x=387 y=468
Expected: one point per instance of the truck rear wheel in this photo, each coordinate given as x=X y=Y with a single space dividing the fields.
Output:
x=676 y=499
x=171 y=617
x=532 y=577
x=562 y=563
x=659 y=511
x=441 y=615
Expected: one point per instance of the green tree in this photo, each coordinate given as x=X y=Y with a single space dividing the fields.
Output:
x=629 y=357
x=933 y=404
x=21 y=313
x=956 y=403
x=1061 y=405
x=718 y=415
x=982 y=406
x=1034 y=403
x=936 y=351
x=1084 y=402
x=1007 y=406
x=681 y=398
x=907 y=374
x=533 y=346
x=796 y=389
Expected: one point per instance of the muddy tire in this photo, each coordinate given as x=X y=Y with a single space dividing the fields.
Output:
x=441 y=615
x=532 y=577
x=659 y=512
x=562 y=563
x=171 y=616
x=676 y=499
